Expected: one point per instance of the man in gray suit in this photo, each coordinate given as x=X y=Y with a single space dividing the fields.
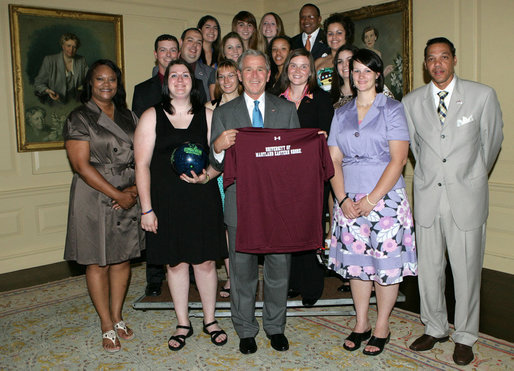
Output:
x=275 y=113
x=455 y=127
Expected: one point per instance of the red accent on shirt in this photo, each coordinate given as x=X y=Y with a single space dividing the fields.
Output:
x=280 y=175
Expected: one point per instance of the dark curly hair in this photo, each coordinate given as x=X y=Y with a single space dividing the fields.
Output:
x=347 y=23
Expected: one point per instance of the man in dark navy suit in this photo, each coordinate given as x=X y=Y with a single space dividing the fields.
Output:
x=312 y=36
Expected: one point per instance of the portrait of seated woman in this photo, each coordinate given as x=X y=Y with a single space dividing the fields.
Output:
x=61 y=75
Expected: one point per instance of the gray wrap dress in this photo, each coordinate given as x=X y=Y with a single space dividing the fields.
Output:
x=97 y=233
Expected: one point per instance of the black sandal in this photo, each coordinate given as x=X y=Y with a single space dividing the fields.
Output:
x=215 y=334
x=377 y=342
x=356 y=338
x=180 y=339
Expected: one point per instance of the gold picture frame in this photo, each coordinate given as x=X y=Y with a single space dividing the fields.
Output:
x=39 y=37
x=393 y=24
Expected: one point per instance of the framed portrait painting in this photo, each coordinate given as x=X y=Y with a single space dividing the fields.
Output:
x=51 y=52
x=387 y=30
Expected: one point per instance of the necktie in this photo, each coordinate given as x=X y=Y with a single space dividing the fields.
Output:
x=308 y=43
x=257 y=121
x=441 y=109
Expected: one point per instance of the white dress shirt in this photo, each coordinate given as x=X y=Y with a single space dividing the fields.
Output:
x=449 y=89
x=313 y=37
x=249 y=106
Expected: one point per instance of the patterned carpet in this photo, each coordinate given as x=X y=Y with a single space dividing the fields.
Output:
x=54 y=327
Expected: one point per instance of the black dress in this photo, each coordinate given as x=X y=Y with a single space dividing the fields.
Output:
x=190 y=218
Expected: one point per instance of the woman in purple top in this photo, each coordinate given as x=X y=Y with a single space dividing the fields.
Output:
x=373 y=234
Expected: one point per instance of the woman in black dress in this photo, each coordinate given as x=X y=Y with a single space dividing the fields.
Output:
x=181 y=214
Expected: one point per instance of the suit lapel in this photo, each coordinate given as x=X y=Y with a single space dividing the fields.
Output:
x=241 y=114
x=429 y=109
x=318 y=42
x=455 y=104
x=270 y=112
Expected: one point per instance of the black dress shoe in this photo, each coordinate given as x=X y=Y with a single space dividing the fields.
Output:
x=279 y=342
x=153 y=289
x=426 y=342
x=247 y=345
x=463 y=354
x=309 y=302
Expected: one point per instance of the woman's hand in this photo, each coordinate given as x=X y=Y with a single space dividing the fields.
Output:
x=132 y=192
x=364 y=207
x=324 y=133
x=124 y=200
x=349 y=210
x=195 y=178
x=149 y=222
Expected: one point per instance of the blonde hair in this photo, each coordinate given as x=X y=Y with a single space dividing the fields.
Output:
x=262 y=42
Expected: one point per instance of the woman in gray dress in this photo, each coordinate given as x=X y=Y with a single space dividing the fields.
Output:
x=104 y=216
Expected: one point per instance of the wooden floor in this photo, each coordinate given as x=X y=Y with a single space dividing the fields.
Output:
x=497 y=298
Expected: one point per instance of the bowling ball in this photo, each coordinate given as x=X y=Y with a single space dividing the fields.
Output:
x=189 y=156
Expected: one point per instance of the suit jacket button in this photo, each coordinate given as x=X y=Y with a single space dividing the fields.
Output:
x=115 y=149
x=439 y=184
x=118 y=223
x=443 y=136
x=444 y=160
x=356 y=134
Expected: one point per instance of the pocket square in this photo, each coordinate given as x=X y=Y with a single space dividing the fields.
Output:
x=464 y=120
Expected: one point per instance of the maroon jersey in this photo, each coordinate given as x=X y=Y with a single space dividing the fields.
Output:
x=279 y=175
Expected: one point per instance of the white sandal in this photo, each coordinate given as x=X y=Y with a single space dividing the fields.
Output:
x=110 y=335
x=122 y=326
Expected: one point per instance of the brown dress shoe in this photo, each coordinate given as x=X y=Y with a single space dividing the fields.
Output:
x=462 y=354
x=426 y=342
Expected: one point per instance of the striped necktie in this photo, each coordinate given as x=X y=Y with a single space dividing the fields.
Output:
x=441 y=109
x=257 y=121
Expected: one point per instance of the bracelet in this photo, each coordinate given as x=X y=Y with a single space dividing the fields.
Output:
x=344 y=199
x=207 y=177
x=369 y=202
x=147 y=212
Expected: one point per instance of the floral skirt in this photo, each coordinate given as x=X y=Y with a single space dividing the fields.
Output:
x=379 y=247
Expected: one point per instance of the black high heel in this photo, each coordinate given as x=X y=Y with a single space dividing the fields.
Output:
x=356 y=338
x=377 y=342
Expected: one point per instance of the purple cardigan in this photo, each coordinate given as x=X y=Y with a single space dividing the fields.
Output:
x=365 y=146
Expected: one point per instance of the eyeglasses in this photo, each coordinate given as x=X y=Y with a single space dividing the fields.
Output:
x=302 y=67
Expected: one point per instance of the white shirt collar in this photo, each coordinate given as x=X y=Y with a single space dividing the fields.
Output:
x=313 y=37
x=250 y=104
x=448 y=89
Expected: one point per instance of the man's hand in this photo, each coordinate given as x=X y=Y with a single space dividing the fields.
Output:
x=226 y=140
